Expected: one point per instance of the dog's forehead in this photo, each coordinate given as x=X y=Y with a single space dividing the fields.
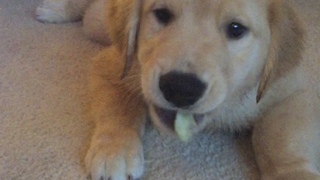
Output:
x=203 y=6
x=217 y=9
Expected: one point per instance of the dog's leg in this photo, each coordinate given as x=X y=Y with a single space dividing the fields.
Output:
x=59 y=11
x=95 y=22
x=286 y=141
x=116 y=150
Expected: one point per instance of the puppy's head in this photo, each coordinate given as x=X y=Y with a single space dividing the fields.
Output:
x=196 y=55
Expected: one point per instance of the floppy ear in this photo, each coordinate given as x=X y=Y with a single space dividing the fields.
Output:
x=286 y=43
x=124 y=17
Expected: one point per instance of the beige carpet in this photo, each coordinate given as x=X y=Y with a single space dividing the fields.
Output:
x=44 y=132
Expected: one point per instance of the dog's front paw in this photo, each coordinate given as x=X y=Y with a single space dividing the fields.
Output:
x=115 y=158
x=57 y=11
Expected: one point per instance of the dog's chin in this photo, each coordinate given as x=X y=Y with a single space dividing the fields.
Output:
x=164 y=119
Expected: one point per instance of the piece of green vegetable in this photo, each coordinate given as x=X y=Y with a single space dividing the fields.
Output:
x=182 y=126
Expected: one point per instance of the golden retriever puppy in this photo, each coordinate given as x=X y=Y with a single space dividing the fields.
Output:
x=231 y=64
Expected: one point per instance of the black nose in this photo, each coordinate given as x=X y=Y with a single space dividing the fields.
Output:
x=181 y=89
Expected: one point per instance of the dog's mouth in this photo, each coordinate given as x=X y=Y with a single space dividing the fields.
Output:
x=168 y=117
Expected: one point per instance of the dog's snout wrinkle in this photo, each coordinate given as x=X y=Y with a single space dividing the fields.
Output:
x=181 y=89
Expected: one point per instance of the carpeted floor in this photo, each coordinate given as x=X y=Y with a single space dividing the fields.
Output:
x=44 y=131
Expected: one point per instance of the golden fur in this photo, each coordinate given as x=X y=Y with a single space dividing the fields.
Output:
x=258 y=81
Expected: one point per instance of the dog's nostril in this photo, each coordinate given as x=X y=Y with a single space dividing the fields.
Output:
x=181 y=89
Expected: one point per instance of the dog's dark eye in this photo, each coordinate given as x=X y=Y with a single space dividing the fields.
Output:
x=236 y=30
x=163 y=15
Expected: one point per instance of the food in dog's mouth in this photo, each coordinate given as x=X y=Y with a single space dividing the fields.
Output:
x=183 y=126
x=181 y=123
